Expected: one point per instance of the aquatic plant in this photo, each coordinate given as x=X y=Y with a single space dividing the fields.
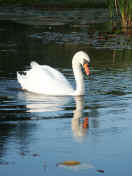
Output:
x=123 y=9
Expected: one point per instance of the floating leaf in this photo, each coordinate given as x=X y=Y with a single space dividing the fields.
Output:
x=69 y=163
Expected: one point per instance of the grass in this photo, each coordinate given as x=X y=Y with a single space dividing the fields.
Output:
x=123 y=9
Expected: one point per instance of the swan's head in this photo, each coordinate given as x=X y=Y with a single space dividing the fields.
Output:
x=81 y=58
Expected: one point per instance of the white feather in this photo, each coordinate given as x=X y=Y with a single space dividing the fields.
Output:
x=44 y=79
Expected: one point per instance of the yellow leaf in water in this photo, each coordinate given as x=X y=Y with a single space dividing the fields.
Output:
x=70 y=163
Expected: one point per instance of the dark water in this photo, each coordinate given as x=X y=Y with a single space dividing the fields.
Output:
x=38 y=132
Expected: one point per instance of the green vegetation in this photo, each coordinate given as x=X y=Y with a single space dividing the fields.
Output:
x=122 y=8
x=57 y=3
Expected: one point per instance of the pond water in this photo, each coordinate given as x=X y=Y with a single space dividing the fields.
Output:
x=37 y=132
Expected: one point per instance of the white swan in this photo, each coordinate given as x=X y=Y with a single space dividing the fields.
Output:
x=46 y=80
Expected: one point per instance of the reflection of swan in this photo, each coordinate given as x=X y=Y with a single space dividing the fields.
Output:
x=40 y=106
x=46 y=80
x=79 y=129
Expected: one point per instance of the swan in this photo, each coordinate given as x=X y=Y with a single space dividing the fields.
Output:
x=44 y=79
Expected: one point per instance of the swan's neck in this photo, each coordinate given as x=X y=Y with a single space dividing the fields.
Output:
x=80 y=88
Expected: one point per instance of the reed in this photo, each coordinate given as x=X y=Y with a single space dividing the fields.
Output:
x=122 y=8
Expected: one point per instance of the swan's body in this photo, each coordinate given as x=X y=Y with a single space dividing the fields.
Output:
x=46 y=80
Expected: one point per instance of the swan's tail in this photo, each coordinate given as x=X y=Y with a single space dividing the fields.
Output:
x=24 y=77
x=21 y=79
x=34 y=64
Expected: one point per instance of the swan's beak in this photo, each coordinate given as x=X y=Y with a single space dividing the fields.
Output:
x=86 y=68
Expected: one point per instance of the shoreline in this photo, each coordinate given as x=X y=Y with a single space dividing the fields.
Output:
x=54 y=4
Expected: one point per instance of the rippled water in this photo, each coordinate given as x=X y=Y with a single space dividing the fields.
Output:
x=37 y=131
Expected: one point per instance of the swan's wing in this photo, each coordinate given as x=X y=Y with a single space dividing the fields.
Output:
x=48 y=71
x=44 y=79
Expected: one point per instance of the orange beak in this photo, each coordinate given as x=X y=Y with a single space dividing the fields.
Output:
x=87 y=71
